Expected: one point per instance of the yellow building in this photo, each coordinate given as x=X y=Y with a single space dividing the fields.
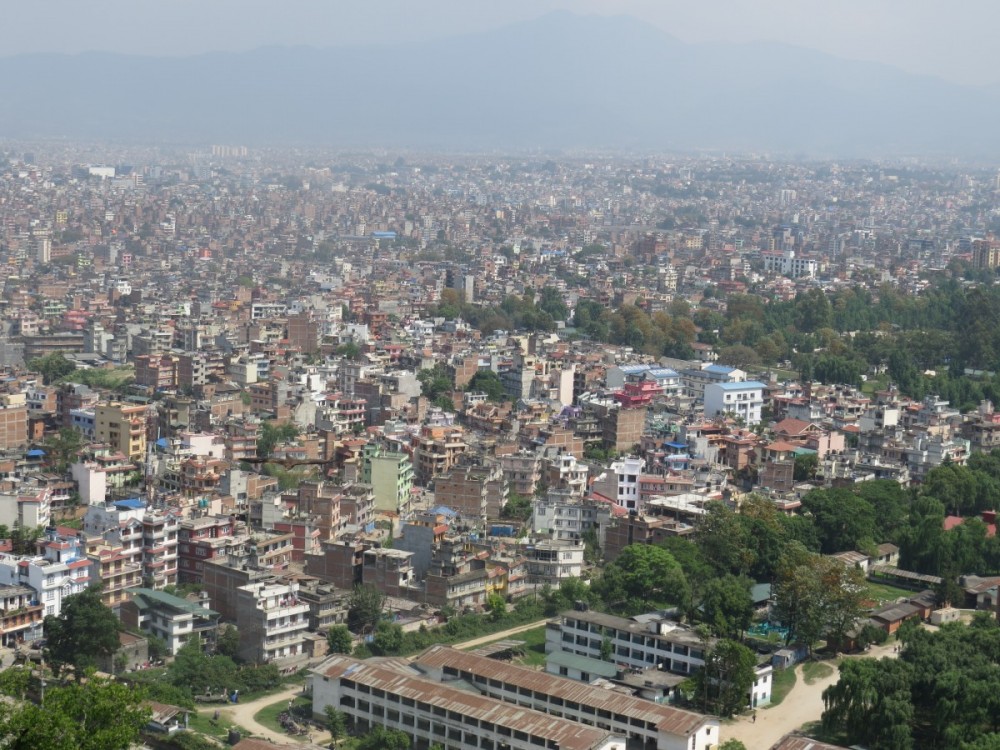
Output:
x=123 y=428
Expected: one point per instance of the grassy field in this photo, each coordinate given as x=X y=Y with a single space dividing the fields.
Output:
x=534 y=646
x=268 y=716
x=887 y=592
x=784 y=681
x=814 y=671
x=203 y=724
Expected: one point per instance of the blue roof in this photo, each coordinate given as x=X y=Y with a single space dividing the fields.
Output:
x=744 y=386
x=443 y=510
x=633 y=369
x=681 y=446
x=721 y=369
x=662 y=372
x=133 y=502
x=35 y=453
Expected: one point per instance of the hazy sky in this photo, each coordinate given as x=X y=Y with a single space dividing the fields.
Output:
x=954 y=40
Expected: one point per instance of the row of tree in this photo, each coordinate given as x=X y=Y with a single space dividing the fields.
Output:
x=942 y=692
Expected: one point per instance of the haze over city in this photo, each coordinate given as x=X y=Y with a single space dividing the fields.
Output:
x=499 y=376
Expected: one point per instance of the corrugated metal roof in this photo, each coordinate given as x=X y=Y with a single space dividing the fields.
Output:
x=667 y=719
x=395 y=677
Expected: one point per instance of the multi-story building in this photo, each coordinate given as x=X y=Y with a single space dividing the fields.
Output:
x=21 y=614
x=565 y=472
x=694 y=381
x=475 y=492
x=655 y=644
x=553 y=560
x=436 y=451
x=744 y=400
x=644 y=723
x=565 y=516
x=61 y=571
x=620 y=483
x=171 y=618
x=272 y=621
x=201 y=540
x=160 y=532
x=123 y=428
x=116 y=571
x=390 y=475
x=13 y=421
x=522 y=472
x=395 y=695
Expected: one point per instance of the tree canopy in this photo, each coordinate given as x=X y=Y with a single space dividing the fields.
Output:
x=641 y=576
x=84 y=631
x=940 y=692
x=94 y=715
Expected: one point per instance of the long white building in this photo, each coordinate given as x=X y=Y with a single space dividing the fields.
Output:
x=392 y=693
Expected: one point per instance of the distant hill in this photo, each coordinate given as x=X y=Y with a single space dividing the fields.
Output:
x=560 y=81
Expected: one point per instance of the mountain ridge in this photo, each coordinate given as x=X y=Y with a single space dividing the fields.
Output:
x=562 y=81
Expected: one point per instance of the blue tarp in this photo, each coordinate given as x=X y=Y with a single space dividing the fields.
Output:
x=35 y=453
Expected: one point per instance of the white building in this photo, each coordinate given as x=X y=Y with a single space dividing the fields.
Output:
x=644 y=723
x=643 y=642
x=694 y=381
x=271 y=620
x=62 y=571
x=621 y=482
x=786 y=264
x=743 y=400
x=566 y=516
x=394 y=694
x=552 y=561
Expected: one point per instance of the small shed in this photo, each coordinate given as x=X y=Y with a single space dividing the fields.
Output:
x=945 y=614
x=788 y=657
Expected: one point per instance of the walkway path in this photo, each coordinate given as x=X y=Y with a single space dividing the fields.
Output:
x=802 y=705
x=241 y=714
x=501 y=635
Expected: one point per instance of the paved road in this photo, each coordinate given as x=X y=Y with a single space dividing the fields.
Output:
x=802 y=705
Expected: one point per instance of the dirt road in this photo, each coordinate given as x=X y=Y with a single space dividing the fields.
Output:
x=501 y=635
x=803 y=704
x=241 y=714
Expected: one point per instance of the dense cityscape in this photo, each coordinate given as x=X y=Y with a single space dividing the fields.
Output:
x=388 y=450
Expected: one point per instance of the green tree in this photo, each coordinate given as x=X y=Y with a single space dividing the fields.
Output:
x=94 y=715
x=381 y=738
x=726 y=606
x=84 y=631
x=517 y=508
x=228 y=641
x=496 y=605
x=51 y=367
x=388 y=639
x=340 y=640
x=727 y=676
x=336 y=722
x=843 y=520
x=732 y=744
x=365 y=608
x=805 y=467
x=488 y=382
x=273 y=433
x=61 y=448
x=871 y=703
x=350 y=351
x=185 y=740
x=641 y=576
